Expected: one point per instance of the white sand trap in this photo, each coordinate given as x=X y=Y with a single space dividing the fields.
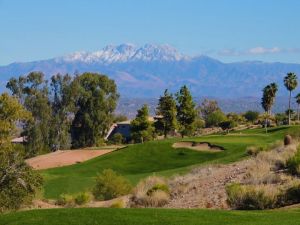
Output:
x=64 y=158
x=202 y=146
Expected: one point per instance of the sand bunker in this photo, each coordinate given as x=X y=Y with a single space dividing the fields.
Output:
x=198 y=146
x=64 y=158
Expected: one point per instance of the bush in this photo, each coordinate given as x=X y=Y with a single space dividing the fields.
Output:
x=156 y=187
x=251 y=116
x=227 y=124
x=100 y=142
x=293 y=164
x=18 y=182
x=290 y=195
x=254 y=150
x=215 y=118
x=287 y=140
x=118 y=204
x=117 y=139
x=82 y=198
x=110 y=185
x=151 y=192
x=65 y=200
x=250 y=197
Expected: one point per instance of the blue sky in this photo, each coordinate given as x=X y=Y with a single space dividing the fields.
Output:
x=229 y=30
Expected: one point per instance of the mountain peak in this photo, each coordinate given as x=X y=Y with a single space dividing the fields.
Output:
x=127 y=52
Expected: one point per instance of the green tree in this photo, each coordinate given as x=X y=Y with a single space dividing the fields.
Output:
x=32 y=91
x=215 y=118
x=95 y=100
x=186 y=112
x=290 y=82
x=141 y=128
x=11 y=112
x=167 y=109
x=298 y=104
x=227 y=125
x=251 y=116
x=62 y=107
x=199 y=123
x=18 y=182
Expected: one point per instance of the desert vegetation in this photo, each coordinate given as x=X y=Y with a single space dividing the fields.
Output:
x=186 y=156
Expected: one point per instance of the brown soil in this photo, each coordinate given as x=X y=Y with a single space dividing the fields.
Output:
x=204 y=187
x=64 y=158
x=202 y=146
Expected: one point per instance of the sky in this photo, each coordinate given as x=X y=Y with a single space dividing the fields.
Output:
x=229 y=30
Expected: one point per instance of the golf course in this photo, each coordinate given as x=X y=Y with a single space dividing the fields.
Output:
x=156 y=157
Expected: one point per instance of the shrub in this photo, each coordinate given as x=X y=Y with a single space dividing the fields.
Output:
x=117 y=138
x=251 y=116
x=287 y=139
x=156 y=187
x=18 y=182
x=82 y=198
x=215 y=118
x=118 y=204
x=65 y=200
x=250 y=197
x=100 y=142
x=151 y=192
x=254 y=150
x=227 y=124
x=290 y=195
x=293 y=164
x=110 y=185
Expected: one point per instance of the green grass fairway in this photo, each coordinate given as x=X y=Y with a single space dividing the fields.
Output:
x=141 y=160
x=107 y=216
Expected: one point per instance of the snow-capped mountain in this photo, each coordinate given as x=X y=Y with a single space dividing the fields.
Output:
x=127 y=52
x=145 y=71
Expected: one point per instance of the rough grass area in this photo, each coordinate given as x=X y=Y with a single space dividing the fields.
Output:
x=155 y=157
x=109 y=216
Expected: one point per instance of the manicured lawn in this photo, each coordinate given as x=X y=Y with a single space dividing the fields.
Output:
x=141 y=160
x=108 y=216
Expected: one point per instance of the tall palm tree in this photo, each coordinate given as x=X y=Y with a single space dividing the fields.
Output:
x=290 y=82
x=298 y=104
x=268 y=99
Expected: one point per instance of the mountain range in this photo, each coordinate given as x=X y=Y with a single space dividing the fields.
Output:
x=145 y=71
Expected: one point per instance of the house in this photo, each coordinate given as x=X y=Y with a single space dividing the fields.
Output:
x=120 y=127
x=124 y=128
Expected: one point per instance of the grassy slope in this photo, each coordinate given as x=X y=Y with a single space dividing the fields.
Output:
x=158 y=157
x=97 y=216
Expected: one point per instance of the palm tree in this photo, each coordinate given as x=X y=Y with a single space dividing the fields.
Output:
x=268 y=99
x=298 y=104
x=290 y=82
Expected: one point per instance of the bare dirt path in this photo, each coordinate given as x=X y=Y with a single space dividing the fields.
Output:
x=204 y=187
x=65 y=157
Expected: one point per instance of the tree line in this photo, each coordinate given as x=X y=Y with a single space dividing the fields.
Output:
x=67 y=112
x=178 y=113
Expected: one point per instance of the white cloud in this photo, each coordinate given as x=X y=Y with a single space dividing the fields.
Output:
x=257 y=51
x=262 y=50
